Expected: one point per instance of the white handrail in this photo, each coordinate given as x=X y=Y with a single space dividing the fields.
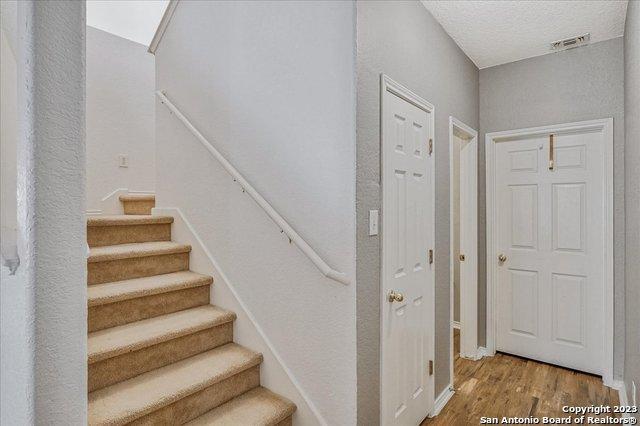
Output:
x=246 y=187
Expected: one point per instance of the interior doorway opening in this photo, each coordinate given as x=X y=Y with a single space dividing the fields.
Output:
x=463 y=158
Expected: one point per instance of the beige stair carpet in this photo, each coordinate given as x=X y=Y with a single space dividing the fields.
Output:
x=137 y=203
x=158 y=351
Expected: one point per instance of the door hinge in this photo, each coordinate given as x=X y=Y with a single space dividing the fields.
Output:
x=430 y=146
x=551 y=161
x=430 y=256
x=431 y=367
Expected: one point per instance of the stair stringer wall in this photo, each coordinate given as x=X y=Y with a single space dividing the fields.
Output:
x=246 y=331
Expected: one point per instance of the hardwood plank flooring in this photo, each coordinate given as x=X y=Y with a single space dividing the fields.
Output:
x=510 y=386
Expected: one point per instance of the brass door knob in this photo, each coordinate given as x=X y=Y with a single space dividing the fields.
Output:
x=462 y=257
x=395 y=297
x=502 y=258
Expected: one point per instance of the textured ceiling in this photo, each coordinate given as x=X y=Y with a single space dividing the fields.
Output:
x=497 y=32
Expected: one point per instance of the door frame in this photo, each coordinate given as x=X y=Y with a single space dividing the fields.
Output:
x=391 y=86
x=604 y=126
x=468 y=293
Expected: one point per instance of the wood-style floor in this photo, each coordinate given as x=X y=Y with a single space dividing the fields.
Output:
x=505 y=385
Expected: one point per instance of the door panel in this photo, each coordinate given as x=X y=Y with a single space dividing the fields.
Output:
x=524 y=216
x=524 y=306
x=550 y=227
x=407 y=324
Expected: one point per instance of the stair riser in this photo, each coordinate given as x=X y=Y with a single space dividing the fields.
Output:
x=199 y=403
x=126 y=311
x=138 y=206
x=121 y=234
x=126 y=366
x=124 y=269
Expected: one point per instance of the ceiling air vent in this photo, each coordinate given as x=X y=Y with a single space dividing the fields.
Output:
x=570 y=43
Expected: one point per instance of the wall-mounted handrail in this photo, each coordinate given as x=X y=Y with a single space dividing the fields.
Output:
x=247 y=188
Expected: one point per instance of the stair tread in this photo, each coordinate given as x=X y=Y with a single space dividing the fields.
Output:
x=116 y=291
x=133 y=398
x=127 y=219
x=133 y=336
x=137 y=197
x=258 y=406
x=129 y=250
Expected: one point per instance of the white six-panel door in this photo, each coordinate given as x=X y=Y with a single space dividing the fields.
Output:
x=407 y=334
x=549 y=223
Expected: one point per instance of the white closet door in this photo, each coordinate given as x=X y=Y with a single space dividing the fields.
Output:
x=407 y=323
x=550 y=228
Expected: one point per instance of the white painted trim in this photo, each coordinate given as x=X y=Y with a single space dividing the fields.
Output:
x=284 y=226
x=162 y=26
x=274 y=373
x=456 y=325
x=622 y=396
x=110 y=204
x=442 y=400
x=605 y=126
x=469 y=291
x=391 y=86
x=482 y=352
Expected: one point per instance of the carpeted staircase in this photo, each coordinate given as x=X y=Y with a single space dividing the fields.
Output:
x=158 y=352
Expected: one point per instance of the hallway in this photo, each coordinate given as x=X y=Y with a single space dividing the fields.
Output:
x=510 y=386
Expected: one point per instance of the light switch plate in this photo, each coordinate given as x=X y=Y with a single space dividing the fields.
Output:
x=373 y=222
x=123 y=160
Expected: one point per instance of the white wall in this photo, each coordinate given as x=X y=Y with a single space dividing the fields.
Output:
x=8 y=141
x=574 y=85
x=16 y=356
x=135 y=20
x=271 y=85
x=420 y=55
x=43 y=324
x=120 y=116
x=632 y=196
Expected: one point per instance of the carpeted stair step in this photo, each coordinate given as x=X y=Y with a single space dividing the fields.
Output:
x=119 y=353
x=126 y=261
x=138 y=203
x=258 y=407
x=121 y=302
x=179 y=392
x=122 y=229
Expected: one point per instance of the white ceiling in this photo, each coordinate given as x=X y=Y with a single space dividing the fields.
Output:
x=134 y=20
x=496 y=32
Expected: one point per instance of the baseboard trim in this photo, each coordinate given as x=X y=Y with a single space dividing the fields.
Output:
x=622 y=396
x=442 y=400
x=482 y=352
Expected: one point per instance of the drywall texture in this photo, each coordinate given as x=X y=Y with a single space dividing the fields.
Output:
x=51 y=203
x=271 y=85
x=632 y=194
x=120 y=116
x=421 y=56
x=16 y=358
x=8 y=146
x=580 y=84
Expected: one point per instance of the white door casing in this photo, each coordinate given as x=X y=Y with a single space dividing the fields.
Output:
x=551 y=299
x=407 y=326
x=468 y=212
